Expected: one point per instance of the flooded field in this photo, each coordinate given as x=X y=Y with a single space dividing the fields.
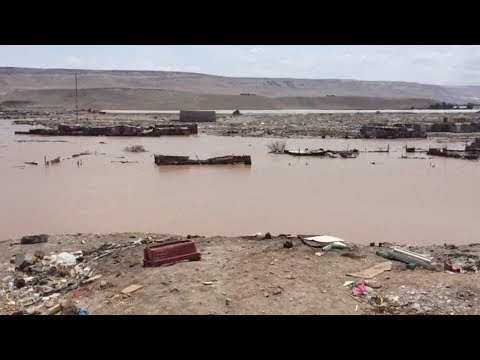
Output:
x=410 y=201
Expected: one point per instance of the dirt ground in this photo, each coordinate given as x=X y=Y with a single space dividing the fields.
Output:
x=254 y=276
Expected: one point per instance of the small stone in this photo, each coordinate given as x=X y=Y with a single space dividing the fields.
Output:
x=266 y=294
x=103 y=284
x=83 y=241
x=268 y=235
x=271 y=272
x=174 y=290
x=78 y=234
x=372 y=244
x=277 y=292
x=228 y=302
x=23 y=260
x=19 y=282
x=40 y=254
x=288 y=244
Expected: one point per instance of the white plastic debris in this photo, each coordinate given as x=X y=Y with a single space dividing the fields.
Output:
x=65 y=258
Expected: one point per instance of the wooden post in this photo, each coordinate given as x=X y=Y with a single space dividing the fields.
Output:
x=76 y=96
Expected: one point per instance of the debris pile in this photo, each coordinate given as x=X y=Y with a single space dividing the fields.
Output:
x=39 y=283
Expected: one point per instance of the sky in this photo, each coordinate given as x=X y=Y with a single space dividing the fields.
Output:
x=431 y=64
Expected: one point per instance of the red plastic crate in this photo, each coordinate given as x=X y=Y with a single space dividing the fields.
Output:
x=170 y=253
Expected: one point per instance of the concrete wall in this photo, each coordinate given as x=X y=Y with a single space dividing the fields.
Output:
x=197 y=116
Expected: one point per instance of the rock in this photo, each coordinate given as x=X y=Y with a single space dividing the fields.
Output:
x=319 y=253
x=450 y=246
x=34 y=239
x=288 y=244
x=78 y=234
x=266 y=294
x=372 y=244
x=19 y=282
x=103 y=284
x=277 y=292
x=132 y=288
x=268 y=235
x=174 y=290
x=30 y=310
x=83 y=241
x=228 y=302
x=40 y=254
x=23 y=260
x=373 y=284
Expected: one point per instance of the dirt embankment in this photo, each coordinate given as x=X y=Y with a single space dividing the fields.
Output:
x=264 y=125
x=234 y=276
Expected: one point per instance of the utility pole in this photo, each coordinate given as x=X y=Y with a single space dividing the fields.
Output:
x=76 y=96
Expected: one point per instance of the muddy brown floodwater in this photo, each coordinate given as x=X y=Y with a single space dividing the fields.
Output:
x=394 y=200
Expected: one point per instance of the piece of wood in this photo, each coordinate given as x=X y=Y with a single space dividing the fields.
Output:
x=132 y=288
x=373 y=271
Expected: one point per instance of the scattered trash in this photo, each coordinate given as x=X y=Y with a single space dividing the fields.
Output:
x=359 y=290
x=321 y=240
x=373 y=271
x=451 y=267
x=335 y=245
x=130 y=289
x=79 y=294
x=407 y=256
x=65 y=258
x=319 y=253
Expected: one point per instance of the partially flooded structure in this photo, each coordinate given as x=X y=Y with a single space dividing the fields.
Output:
x=197 y=116
x=397 y=131
x=115 y=130
x=185 y=160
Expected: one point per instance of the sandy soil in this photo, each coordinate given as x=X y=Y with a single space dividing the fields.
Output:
x=256 y=276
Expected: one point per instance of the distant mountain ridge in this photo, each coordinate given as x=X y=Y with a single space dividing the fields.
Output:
x=14 y=81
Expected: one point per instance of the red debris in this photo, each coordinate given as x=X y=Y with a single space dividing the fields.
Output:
x=170 y=253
